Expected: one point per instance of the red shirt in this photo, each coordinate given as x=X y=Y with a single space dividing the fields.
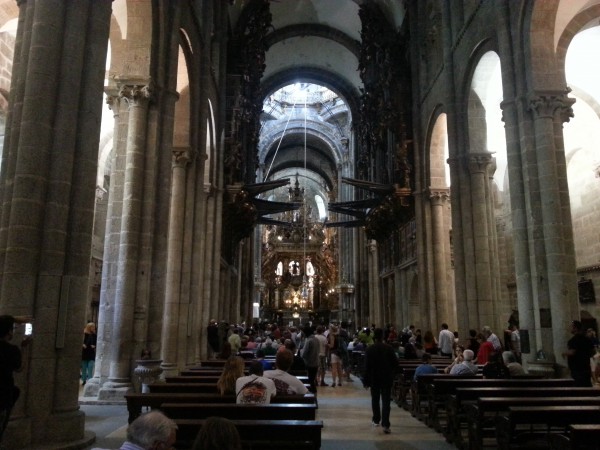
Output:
x=485 y=350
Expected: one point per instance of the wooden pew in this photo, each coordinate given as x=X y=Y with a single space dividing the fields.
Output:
x=480 y=416
x=136 y=401
x=440 y=389
x=418 y=391
x=193 y=379
x=255 y=434
x=206 y=388
x=282 y=411
x=402 y=392
x=578 y=437
x=531 y=425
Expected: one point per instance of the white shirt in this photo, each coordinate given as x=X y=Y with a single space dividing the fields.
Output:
x=322 y=344
x=495 y=342
x=254 y=389
x=285 y=383
x=446 y=341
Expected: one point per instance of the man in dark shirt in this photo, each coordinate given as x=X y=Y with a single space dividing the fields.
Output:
x=380 y=364
x=580 y=350
x=10 y=361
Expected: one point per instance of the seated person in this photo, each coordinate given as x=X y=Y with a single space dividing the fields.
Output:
x=298 y=364
x=495 y=367
x=510 y=361
x=218 y=433
x=426 y=367
x=150 y=431
x=285 y=382
x=232 y=370
x=268 y=348
x=245 y=352
x=254 y=388
x=458 y=358
x=466 y=367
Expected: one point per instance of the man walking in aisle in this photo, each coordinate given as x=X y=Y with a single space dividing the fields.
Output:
x=380 y=364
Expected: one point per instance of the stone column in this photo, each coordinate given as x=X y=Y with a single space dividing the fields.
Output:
x=47 y=196
x=171 y=319
x=438 y=201
x=479 y=164
x=375 y=307
x=549 y=111
x=138 y=97
x=519 y=216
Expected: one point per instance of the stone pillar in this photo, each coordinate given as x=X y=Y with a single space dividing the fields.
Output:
x=171 y=319
x=549 y=111
x=375 y=306
x=138 y=97
x=519 y=215
x=479 y=164
x=438 y=201
x=47 y=196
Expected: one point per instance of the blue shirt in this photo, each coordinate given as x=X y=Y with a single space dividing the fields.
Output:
x=425 y=369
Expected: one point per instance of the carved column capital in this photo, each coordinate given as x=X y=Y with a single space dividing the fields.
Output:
x=597 y=171
x=553 y=105
x=439 y=196
x=181 y=156
x=137 y=93
x=100 y=192
x=479 y=162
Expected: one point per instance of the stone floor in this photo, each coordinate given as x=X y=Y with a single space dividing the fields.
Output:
x=345 y=412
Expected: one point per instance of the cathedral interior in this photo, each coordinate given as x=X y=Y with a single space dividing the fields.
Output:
x=165 y=163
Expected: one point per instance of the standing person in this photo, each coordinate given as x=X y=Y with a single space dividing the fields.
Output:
x=344 y=342
x=335 y=355
x=491 y=337
x=446 y=341
x=310 y=355
x=380 y=365
x=11 y=360
x=322 y=355
x=235 y=341
x=580 y=350
x=212 y=335
x=88 y=352
x=515 y=341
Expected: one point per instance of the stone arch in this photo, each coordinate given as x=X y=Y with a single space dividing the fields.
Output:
x=437 y=154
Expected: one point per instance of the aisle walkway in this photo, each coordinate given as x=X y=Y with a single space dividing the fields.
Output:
x=345 y=412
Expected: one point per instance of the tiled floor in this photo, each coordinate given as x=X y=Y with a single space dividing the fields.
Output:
x=345 y=412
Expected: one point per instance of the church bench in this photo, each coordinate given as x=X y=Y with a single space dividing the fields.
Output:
x=440 y=389
x=418 y=391
x=193 y=379
x=480 y=416
x=403 y=384
x=202 y=372
x=207 y=388
x=531 y=426
x=209 y=379
x=254 y=434
x=282 y=411
x=577 y=437
x=136 y=401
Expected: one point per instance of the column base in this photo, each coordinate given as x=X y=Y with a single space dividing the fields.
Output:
x=115 y=391
x=168 y=370
x=60 y=431
x=92 y=387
